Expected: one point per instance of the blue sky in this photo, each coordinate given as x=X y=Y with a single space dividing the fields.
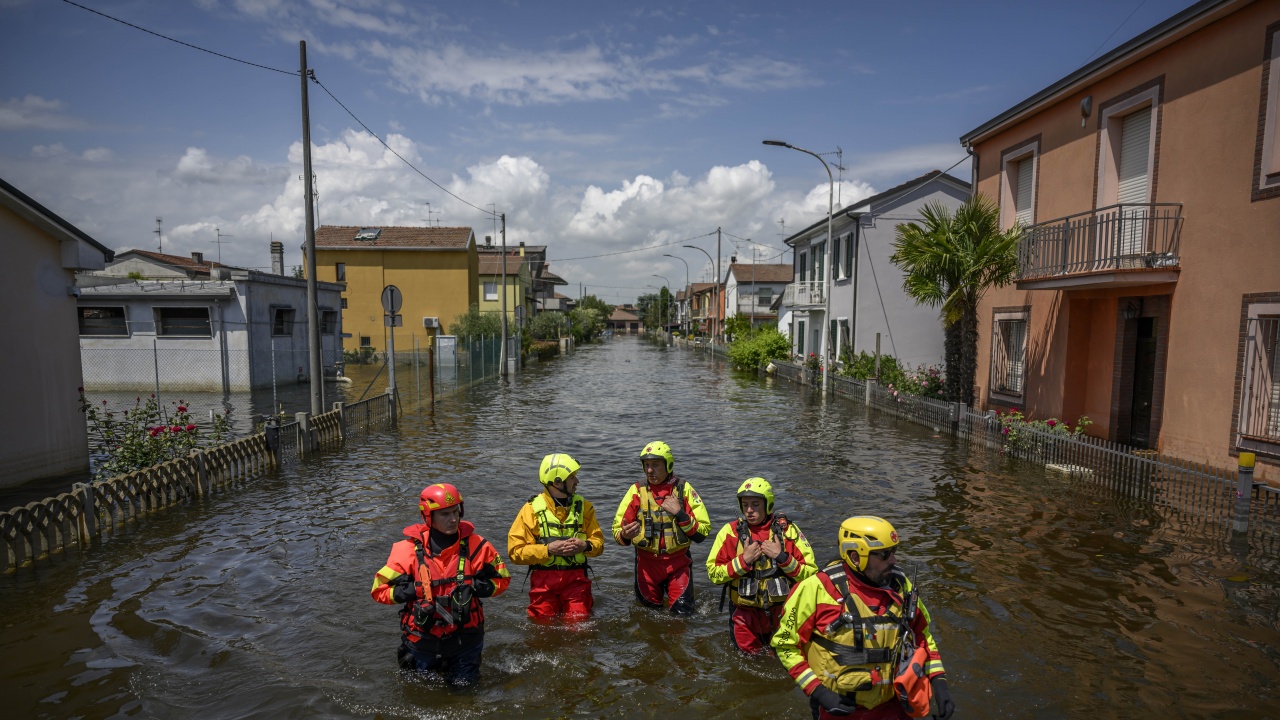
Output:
x=596 y=127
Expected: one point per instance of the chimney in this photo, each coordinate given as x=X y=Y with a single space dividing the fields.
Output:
x=521 y=248
x=198 y=257
x=488 y=240
x=277 y=257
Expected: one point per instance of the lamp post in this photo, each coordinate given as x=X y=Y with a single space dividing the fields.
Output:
x=665 y=311
x=715 y=288
x=685 y=325
x=826 y=259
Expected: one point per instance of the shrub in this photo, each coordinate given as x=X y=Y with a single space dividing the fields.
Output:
x=546 y=325
x=1017 y=440
x=142 y=436
x=473 y=325
x=759 y=347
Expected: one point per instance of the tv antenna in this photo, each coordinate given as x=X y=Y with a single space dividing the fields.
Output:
x=219 y=242
x=430 y=212
x=159 y=236
x=839 y=164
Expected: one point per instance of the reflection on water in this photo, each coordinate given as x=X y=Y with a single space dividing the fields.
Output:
x=1050 y=600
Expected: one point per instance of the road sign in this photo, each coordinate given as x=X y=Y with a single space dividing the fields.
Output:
x=393 y=320
x=392 y=299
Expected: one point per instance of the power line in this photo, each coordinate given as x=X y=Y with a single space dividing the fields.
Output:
x=1113 y=32
x=174 y=40
x=624 y=252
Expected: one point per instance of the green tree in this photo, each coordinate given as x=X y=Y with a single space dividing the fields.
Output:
x=546 y=325
x=738 y=326
x=586 y=323
x=591 y=302
x=949 y=261
x=474 y=324
x=754 y=348
x=655 y=309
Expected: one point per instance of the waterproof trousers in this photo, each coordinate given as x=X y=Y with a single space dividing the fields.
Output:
x=753 y=628
x=455 y=657
x=890 y=710
x=559 y=592
x=665 y=578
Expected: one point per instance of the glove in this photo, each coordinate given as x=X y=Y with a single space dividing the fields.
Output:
x=402 y=590
x=942 y=698
x=831 y=702
x=484 y=588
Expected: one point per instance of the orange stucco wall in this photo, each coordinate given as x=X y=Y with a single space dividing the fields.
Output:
x=1230 y=244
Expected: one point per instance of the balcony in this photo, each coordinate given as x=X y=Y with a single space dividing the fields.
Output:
x=1117 y=245
x=807 y=293
x=754 y=306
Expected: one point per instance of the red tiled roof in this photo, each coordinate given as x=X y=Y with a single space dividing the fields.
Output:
x=492 y=265
x=762 y=273
x=440 y=238
x=181 y=261
x=620 y=315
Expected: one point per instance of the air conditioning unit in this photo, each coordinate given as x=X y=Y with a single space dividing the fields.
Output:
x=431 y=322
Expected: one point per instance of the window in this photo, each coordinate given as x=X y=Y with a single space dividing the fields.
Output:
x=765 y=295
x=1009 y=353
x=804 y=267
x=1018 y=183
x=819 y=258
x=1259 y=424
x=344 y=303
x=1126 y=153
x=183 y=322
x=282 y=321
x=835 y=259
x=340 y=271
x=328 y=322
x=365 y=342
x=1266 y=183
x=103 y=322
x=800 y=338
x=850 y=248
x=491 y=291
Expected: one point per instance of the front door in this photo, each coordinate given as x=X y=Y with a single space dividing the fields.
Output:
x=1144 y=378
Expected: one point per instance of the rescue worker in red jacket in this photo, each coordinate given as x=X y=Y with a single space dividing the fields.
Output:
x=439 y=573
x=554 y=533
x=758 y=558
x=856 y=637
x=661 y=517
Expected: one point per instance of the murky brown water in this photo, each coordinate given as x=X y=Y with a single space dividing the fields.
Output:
x=1050 y=600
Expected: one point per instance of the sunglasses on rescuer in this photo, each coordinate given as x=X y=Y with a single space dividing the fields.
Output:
x=884 y=554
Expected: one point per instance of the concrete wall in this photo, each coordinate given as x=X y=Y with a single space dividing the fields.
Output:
x=42 y=426
x=1205 y=149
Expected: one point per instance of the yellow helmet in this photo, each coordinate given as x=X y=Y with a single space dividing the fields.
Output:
x=757 y=487
x=658 y=449
x=557 y=467
x=862 y=534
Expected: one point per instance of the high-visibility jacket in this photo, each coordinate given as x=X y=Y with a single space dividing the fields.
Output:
x=660 y=532
x=435 y=577
x=764 y=583
x=541 y=521
x=812 y=632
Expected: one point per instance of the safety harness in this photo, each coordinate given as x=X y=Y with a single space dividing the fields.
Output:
x=746 y=590
x=659 y=534
x=430 y=607
x=551 y=529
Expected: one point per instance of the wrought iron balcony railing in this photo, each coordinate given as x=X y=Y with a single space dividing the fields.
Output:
x=1116 y=237
x=754 y=305
x=807 y=293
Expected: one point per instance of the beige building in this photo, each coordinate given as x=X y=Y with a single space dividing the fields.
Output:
x=1148 y=290
x=518 y=288
x=435 y=269
x=42 y=426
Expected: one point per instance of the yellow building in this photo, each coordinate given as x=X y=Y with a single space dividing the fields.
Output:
x=436 y=270
x=518 y=288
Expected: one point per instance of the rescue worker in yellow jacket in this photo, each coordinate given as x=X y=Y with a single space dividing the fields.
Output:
x=856 y=637
x=758 y=558
x=554 y=534
x=661 y=517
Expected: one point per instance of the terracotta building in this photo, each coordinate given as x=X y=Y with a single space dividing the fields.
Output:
x=1148 y=290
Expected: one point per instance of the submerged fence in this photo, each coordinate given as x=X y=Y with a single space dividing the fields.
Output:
x=92 y=513
x=1221 y=497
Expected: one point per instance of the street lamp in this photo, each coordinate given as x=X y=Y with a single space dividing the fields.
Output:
x=664 y=311
x=715 y=290
x=826 y=260
x=685 y=325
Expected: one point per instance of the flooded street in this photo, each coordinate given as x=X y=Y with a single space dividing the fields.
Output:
x=1049 y=600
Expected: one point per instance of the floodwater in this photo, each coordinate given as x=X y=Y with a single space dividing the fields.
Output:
x=1049 y=600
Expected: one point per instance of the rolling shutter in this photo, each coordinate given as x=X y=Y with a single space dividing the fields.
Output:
x=1022 y=201
x=1133 y=179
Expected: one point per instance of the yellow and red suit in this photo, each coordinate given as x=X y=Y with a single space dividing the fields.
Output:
x=663 y=562
x=559 y=584
x=756 y=615
x=810 y=612
x=435 y=576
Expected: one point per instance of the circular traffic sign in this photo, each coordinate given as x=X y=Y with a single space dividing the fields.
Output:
x=392 y=299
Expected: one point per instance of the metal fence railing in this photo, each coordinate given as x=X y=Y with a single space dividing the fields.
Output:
x=1116 y=237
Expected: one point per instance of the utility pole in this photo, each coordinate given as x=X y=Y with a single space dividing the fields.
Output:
x=219 y=242
x=502 y=357
x=309 y=246
x=716 y=309
x=159 y=237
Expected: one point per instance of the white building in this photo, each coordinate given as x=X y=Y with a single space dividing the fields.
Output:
x=750 y=289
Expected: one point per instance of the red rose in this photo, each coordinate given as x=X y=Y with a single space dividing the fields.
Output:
x=190 y=427
x=182 y=408
x=176 y=428
x=80 y=389
x=1051 y=422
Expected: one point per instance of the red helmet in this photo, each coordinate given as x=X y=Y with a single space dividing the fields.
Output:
x=439 y=497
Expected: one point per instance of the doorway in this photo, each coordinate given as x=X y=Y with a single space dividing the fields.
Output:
x=1144 y=380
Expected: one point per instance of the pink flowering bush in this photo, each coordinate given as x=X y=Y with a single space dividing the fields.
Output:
x=143 y=435
x=1014 y=425
x=812 y=362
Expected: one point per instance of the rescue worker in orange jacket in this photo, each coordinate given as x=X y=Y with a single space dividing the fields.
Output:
x=554 y=533
x=856 y=637
x=439 y=573
x=758 y=558
x=661 y=517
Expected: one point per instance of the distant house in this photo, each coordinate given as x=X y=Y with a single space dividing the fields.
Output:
x=702 y=308
x=749 y=291
x=150 y=265
x=866 y=288
x=436 y=270
x=221 y=335
x=43 y=428
x=625 y=321
x=541 y=288
x=518 y=289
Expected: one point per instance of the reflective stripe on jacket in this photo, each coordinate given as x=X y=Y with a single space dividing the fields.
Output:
x=816 y=605
x=660 y=533
x=763 y=584
x=539 y=522
x=436 y=576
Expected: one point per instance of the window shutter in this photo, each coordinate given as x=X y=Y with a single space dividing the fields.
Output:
x=1022 y=203
x=1135 y=146
x=835 y=258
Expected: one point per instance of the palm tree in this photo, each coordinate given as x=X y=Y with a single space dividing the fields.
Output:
x=949 y=261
